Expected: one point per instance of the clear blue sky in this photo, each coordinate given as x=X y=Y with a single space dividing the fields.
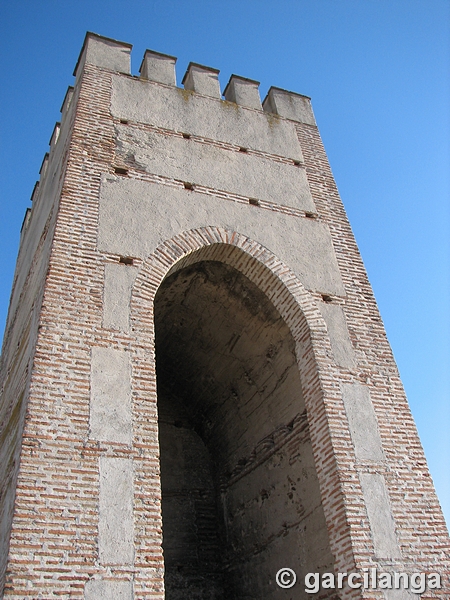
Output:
x=378 y=72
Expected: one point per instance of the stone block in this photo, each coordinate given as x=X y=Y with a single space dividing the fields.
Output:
x=110 y=406
x=115 y=522
x=201 y=79
x=158 y=67
x=67 y=100
x=380 y=516
x=362 y=422
x=55 y=135
x=105 y=53
x=119 y=281
x=289 y=105
x=101 y=589
x=243 y=91
x=341 y=344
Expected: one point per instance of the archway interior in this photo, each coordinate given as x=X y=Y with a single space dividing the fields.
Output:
x=240 y=496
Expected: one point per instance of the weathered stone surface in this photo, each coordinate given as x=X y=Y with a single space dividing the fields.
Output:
x=151 y=214
x=158 y=67
x=362 y=421
x=100 y=589
x=180 y=110
x=110 y=408
x=243 y=91
x=116 y=296
x=104 y=52
x=341 y=345
x=35 y=242
x=289 y=105
x=400 y=594
x=202 y=80
x=210 y=166
x=115 y=519
x=380 y=516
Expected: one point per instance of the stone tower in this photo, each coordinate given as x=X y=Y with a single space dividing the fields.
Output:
x=197 y=389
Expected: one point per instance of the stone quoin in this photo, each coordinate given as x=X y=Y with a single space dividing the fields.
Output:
x=197 y=388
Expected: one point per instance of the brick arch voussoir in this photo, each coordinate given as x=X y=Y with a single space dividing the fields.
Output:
x=276 y=280
x=295 y=304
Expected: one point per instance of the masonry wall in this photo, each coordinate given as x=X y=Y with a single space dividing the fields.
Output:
x=24 y=314
x=145 y=180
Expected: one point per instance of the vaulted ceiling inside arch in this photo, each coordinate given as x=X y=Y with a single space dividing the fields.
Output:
x=226 y=354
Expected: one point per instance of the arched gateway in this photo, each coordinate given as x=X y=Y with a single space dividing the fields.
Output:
x=197 y=389
x=240 y=491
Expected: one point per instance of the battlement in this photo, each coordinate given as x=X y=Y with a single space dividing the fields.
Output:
x=156 y=67
x=114 y=55
x=104 y=52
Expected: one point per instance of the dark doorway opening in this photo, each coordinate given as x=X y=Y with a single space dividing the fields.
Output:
x=240 y=496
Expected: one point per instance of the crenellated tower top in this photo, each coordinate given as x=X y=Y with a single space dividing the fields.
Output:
x=157 y=67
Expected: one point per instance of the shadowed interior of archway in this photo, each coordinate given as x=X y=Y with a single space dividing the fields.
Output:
x=240 y=496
